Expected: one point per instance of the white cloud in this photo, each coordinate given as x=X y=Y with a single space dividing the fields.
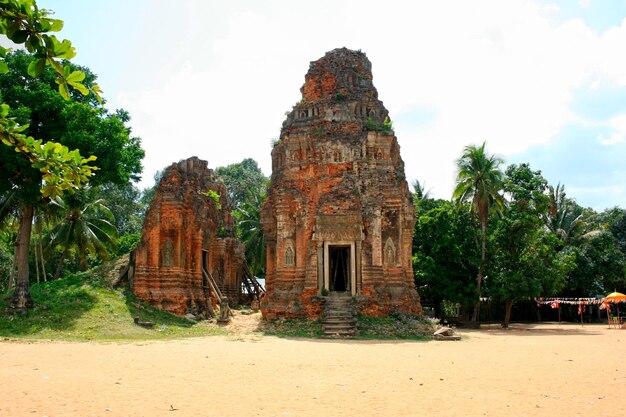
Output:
x=494 y=71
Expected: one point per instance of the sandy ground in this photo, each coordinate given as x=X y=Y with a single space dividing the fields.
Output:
x=532 y=370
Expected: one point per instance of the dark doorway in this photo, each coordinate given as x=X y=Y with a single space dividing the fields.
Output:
x=339 y=268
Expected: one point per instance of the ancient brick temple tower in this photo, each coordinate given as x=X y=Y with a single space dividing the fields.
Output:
x=338 y=216
x=186 y=231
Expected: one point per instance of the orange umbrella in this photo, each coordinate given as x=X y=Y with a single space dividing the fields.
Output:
x=615 y=297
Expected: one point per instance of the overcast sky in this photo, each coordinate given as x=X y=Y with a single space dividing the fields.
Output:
x=540 y=81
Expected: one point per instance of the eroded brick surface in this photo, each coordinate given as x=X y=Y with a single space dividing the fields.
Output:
x=184 y=229
x=339 y=215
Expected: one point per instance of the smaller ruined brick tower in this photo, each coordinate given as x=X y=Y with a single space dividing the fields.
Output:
x=187 y=229
x=339 y=216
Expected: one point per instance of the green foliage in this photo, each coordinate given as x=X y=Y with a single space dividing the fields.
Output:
x=340 y=96
x=214 y=195
x=80 y=125
x=246 y=187
x=385 y=127
x=250 y=231
x=445 y=254
x=127 y=243
x=124 y=201
x=85 y=226
x=84 y=307
x=479 y=183
x=614 y=220
x=148 y=194
x=244 y=182
x=22 y=22
x=306 y=328
x=6 y=259
x=396 y=326
x=525 y=261
x=600 y=267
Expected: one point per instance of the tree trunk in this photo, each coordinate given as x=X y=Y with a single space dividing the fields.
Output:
x=57 y=273
x=37 y=261
x=43 y=262
x=22 y=300
x=479 y=277
x=13 y=268
x=507 y=314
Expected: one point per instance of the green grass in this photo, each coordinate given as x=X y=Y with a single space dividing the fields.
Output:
x=306 y=328
x=83 y=307
x=396 y=327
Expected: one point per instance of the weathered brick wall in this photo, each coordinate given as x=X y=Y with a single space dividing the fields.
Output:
x=338 y=181
x=182 y=223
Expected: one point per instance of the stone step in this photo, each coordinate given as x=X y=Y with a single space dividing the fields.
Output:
x=338 y=319
x=336 y=335
x=341 y=321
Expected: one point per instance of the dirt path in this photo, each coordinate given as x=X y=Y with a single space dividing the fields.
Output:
x=542 y=370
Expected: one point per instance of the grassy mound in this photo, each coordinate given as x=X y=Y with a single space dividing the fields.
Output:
x=85 y=307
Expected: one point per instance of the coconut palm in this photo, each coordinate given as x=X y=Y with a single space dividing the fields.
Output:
x=479 y=182
x=566 y=219
x=251 y=233
x=85 y=225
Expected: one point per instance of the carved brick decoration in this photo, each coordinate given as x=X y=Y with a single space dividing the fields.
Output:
x=339 y=215
x=183 y=231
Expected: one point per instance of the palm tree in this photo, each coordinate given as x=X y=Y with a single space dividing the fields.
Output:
x=251 y=233
x=479 y=182
x=419 y=190
x=85 y=226
x=566 y=219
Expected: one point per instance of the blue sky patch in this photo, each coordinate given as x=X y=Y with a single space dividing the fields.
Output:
x=599 y=15
x=576 y=159
x=600 y=104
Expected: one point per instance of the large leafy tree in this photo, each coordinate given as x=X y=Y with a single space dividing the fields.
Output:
x=615 y=221
x=445 y=254
x=80 y=124
x=479 y=184
x=247 y=187
x=566 y=219
x=124 y=201
x=524 y=261
x=600 y=267
x=244 y=182
x=22 y=22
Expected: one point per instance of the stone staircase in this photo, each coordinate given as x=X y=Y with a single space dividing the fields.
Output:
x=338 y=317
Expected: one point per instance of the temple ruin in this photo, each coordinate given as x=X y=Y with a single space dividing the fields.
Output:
x=339 y=216
x=187 y=259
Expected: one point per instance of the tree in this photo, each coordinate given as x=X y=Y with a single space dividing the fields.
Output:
x=22 y=22
x=479 y=183
x=600 y=267
x=85 y=226
x=565 y=218
x=124 y=201
x=445 y=255
x=250 y=231
x=525 y=261
x=615 y=220
x=244 y=182
x=81 y=124
x=247 y=187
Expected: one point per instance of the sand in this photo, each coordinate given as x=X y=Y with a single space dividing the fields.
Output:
x=532 y=370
